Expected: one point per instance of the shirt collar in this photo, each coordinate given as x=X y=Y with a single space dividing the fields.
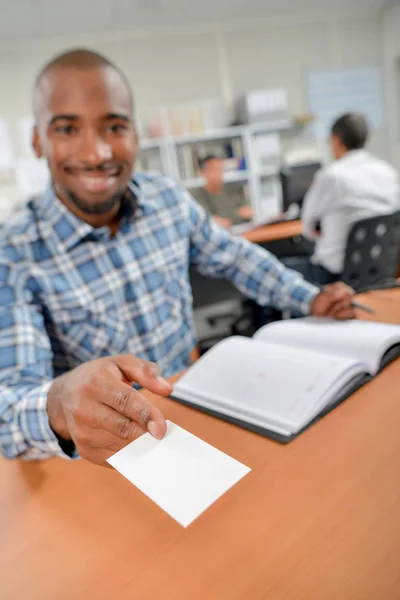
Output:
x=68 y=228
x=361 y=153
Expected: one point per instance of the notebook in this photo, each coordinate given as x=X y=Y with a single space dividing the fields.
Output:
x=289 y=375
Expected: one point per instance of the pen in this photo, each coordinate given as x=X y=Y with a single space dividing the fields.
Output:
x=360 y=306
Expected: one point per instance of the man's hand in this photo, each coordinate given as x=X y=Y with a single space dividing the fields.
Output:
x=223 y=222
x=245 y=212
x=96 y=407
x=334 y=301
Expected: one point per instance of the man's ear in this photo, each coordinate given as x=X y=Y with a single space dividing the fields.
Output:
x=37 y=148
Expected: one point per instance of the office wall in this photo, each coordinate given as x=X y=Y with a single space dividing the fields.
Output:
x=185 y=66
x=391 y=58
x=283 y=56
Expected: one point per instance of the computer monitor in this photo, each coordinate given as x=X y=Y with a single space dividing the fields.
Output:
x=295 y=183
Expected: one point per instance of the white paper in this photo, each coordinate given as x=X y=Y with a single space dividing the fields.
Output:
x=261 y=393
x=180 y=473
x=359 y=340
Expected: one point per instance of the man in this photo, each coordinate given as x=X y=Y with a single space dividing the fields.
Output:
x=227 y=206
x=94 y=287
x=356 y=186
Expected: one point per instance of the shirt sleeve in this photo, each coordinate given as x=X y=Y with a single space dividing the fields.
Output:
x=26 y=370
x=254 y=271
x=316 y=202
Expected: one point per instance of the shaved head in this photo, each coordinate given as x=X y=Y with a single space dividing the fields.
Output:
x=78 y=58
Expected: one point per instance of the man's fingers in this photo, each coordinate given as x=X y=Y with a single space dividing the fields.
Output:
x=132 y=405
x=340 y=308
x=106 y=421
x=145 y=373
x=344 y=310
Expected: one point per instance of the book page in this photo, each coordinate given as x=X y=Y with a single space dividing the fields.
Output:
x=361 y=340
x=269 y=385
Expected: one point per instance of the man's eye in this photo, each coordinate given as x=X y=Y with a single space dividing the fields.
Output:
x=66 y=129
x=118 y=128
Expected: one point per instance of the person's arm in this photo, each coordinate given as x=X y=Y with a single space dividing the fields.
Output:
x=316 y=203
x=91 y=411
x=254 y=271
x=25 y=370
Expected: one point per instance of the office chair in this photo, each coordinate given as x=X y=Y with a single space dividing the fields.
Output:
x=245 y=320
x=372 y=253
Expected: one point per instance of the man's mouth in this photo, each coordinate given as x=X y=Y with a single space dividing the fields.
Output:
x=96 y=180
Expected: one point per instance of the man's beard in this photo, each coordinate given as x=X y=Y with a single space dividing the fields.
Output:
x=100 y=208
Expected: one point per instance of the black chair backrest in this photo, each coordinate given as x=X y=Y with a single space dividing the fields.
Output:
x=372 y=253
x=208 y=290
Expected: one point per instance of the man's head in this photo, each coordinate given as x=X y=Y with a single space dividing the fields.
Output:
x=350 y=132
x=85 y=130
x=212 y=169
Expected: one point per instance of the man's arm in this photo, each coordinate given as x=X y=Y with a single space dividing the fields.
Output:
x=93 y=408
x=257 y=273
x=316 y=202
x=25 y=370
x=254 y=271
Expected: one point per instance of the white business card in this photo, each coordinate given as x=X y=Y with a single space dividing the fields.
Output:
x=180 y=473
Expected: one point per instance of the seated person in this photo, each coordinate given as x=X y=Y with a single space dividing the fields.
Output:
x=226 y=205
x=354 y=187
x=94 y=276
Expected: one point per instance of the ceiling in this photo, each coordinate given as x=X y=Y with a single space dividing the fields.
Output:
x=29 y=19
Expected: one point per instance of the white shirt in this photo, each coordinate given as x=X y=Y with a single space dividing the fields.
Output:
x=352 y=188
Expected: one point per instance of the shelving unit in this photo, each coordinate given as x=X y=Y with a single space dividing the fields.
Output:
x=171 y=156
x=230 y=177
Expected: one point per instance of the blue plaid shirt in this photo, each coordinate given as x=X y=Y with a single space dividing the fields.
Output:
x=70 y=293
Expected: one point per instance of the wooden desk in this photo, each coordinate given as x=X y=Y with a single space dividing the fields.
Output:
x=272 y=233
x=386 y=304
x=318 y=519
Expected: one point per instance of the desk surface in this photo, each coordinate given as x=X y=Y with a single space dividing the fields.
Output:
x=318 y=519
x=272 y=233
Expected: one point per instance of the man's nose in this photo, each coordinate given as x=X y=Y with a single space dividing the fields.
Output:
x=94 y=149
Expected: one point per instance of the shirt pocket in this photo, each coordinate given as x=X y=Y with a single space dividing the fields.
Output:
x=87 y=331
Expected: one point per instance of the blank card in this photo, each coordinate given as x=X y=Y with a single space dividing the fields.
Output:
x=180 y=473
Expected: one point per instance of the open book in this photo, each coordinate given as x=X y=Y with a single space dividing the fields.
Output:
x=289 y=374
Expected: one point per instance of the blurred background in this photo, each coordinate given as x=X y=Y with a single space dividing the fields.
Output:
x=256 y=82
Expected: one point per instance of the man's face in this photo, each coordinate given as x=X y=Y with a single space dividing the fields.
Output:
x=213 y=171
x=85 y=131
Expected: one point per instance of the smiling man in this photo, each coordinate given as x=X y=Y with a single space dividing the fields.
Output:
x=84 y=128
x=94 y=285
